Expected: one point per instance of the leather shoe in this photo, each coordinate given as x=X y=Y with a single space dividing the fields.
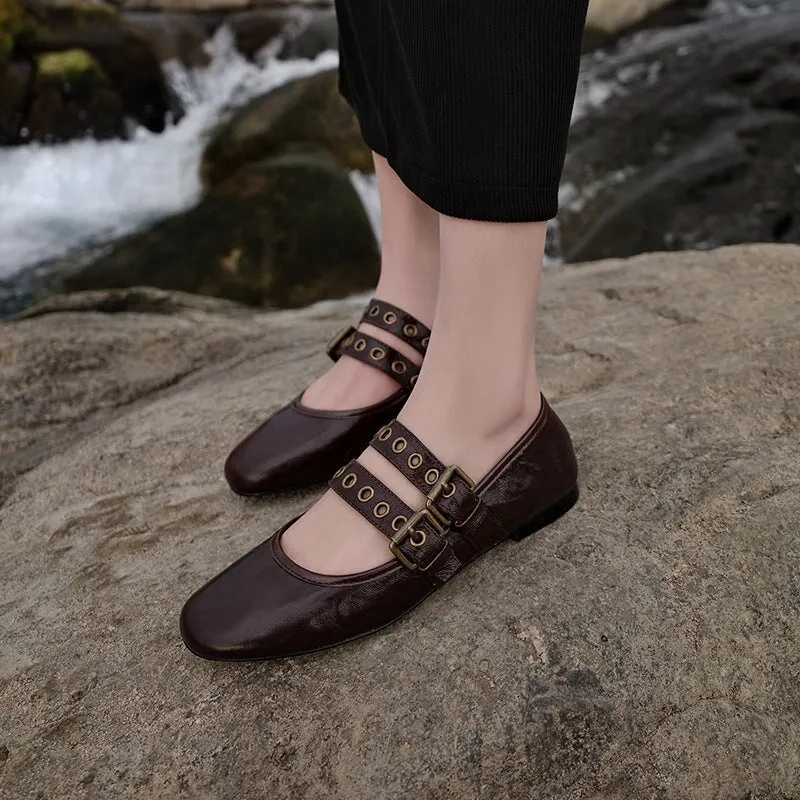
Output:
x=266 y=606
x=300 y=446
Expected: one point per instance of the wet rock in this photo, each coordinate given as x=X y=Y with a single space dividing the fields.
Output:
x=254 y=29
x=285 y=231
x=73 y=97
x=644 y=646
x=179 y=37
x=608 y=21
x=614 y=17
x=123 y=53
x=696 y=146
x=15 y=86
x=222 y=6
x=318 y=32
x=309 y=109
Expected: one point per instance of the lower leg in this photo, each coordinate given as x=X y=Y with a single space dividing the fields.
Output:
x=409 y=279
x=477 y=392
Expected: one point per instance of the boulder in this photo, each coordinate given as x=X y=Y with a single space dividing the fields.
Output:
x=285 y=231
x=694 y=145
x=172 y=37
x=218 y=6
x=308 y=109
x=15 y=86
x=609 y=21
x=319 y=31
x=613 y=17
x=645 y=646
x=126 y=58
x=255 y=28
x=72 y=97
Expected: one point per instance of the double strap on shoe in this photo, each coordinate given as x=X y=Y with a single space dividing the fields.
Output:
x=375 y=353
x=422 y=541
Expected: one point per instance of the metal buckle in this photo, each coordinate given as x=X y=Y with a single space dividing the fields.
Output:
x=408 y=530
x=439 y=489
x=334 y=343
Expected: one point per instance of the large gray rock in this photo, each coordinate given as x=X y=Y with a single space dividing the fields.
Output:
x=696 y=145
x=646 y=646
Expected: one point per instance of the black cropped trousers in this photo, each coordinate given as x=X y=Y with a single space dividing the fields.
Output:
x=469 y=100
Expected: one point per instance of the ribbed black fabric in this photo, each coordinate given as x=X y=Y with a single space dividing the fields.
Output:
x=469 y=100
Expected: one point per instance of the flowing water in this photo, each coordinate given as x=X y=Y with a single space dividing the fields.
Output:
x=61 y=199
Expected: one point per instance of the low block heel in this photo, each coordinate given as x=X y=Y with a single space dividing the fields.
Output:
x=547 y=516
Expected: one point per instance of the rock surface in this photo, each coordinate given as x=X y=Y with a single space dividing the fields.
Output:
x=646 y=646
x=696 y=143
x=49 y=106
x=286 y=231
x=308 y=109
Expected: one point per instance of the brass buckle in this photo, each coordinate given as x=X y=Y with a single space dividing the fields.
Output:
x=408 y=530
x=334 y=343
x=439 y=489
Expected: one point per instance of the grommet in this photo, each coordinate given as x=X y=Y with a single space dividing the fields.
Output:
x=415 y=460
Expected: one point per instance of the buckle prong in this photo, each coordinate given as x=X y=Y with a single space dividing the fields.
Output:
x=408 y=530
x=445 y=480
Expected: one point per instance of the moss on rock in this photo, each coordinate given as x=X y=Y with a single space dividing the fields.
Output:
x=70 y=66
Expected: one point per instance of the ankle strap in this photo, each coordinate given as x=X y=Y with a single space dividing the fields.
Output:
x=449 y=490
x=416 y=539
x=399 y=323
x=374 y=353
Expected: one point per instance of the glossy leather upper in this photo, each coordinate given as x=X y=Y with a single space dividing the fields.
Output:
x=266 y=606
x=300 y=446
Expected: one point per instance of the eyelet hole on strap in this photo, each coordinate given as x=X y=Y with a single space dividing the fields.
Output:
x=415 y=460
x=349 y=480
x=413 y=379
x=374 y=311
x=410 y=330
x=431 y=476
x=360 y=345
x=426 y=341
x=338 y=472
x=399 y=367
x=366 y=493
x=390 y=317
x=398 y=522
x=420 y=540
x=385 y=434
x=399 y=444
x=377 y=353
x=381 y=510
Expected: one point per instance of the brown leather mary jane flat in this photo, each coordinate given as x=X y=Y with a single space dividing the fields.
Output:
x=265 y=606
x=300 y=446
